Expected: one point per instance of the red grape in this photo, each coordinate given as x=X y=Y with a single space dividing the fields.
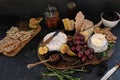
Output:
x=73 y=48
x=90 y=56
x=78 y=45
x=84 y=58
x=77 y=41
x=87 y=52
x=80 y=54
x=78 y=48
x=74 y=42
x=77 y=36
x=85 y=46
x=91 y=50
x=82 y=42
x=82 y=38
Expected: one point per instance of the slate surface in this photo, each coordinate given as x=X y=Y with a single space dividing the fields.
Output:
x=15 y=68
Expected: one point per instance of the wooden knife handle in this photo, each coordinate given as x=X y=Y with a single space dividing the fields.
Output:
x=49 y=39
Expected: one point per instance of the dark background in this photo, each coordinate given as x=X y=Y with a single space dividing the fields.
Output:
x=13 y=11
x=37 y=7
x=91 y=8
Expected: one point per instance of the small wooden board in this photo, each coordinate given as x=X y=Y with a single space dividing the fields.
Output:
x=14 y=52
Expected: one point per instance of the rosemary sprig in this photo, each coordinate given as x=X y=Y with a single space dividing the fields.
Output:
x=62 y=74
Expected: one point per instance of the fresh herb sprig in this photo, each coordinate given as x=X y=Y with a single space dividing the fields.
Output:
x=63 y=74
x=105 y=53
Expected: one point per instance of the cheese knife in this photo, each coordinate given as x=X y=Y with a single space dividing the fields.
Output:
x=110 y=72
x=49 y=39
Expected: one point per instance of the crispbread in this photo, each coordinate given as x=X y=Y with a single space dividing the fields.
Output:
x=8 y=44
x=12 y=46
x=20 y=35
x=88 y=24
x=13 y=38
x=82 y=24
x=79 y=19
x=12 y=30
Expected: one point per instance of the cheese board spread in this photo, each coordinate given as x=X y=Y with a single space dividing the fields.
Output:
x=83 y=48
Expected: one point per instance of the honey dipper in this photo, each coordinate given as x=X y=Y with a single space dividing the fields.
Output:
x=52 y=58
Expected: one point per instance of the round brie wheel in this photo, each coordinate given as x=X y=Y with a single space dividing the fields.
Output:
x=98 y=42
x=56 y=42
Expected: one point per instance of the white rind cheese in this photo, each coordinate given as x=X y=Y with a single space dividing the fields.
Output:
x=98 y=42
x=56 y=42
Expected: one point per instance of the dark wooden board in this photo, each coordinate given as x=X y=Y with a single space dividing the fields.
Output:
x=62 y=64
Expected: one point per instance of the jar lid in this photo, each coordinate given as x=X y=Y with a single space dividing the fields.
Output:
x=71 y=4
x=50 y=12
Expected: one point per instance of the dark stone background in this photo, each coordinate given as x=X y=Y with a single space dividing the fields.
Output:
x=14 y=11
x=37 y=7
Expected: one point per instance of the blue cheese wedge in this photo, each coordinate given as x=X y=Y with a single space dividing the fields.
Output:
x=98 y=42
x=56 y=42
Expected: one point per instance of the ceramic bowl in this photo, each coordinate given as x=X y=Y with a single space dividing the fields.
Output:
x=110 y=23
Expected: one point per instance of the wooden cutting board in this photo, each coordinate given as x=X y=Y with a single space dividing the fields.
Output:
x=23 y=26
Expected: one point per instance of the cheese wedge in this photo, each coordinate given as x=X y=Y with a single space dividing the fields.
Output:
x=87 y=33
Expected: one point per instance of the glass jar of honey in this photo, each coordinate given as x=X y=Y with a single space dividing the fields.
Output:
x=52 y=17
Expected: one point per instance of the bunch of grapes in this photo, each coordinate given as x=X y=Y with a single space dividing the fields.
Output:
x=79 y=46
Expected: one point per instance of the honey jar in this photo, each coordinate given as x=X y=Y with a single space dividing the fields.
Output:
x=52 y=17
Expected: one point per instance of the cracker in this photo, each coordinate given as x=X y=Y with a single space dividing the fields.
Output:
x=12 y=30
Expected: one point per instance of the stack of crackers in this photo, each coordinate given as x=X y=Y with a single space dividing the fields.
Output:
x=82 y=24
x=14 y=37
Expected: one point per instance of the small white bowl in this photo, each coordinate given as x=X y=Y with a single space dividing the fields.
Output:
x=109 y=23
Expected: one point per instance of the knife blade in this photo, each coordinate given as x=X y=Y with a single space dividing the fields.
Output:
x=110 y=72
x=49 y=39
